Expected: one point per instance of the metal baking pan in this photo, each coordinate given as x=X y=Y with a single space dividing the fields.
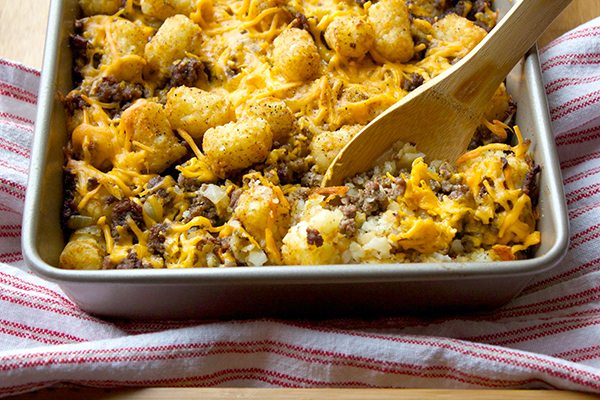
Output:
x=315 y=291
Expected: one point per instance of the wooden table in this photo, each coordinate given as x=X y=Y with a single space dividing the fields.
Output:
x=22 y=31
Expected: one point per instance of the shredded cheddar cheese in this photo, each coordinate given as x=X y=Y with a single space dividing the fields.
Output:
x=199 y=131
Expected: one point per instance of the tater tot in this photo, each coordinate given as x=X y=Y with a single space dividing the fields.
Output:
x=456 y=32
x=237 y=145
x=93 y=7
x=350 y=36
x=393 y=39
x=327 y=145
x=163 y=9
x=127 y=37
x=146 y=123
x=295 y=55
x=177 y=36
x=259 y=208
x=195 y=110
x=277 y=114
x=85 y=250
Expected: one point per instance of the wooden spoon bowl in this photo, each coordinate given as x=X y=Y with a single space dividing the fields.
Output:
x=441 y=116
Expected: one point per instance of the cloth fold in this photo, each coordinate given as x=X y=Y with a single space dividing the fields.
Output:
x=545 y=338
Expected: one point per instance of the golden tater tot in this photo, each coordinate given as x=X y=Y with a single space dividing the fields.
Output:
x=350 y=36
x=393 y=39
x=195 y=110
x=295 y=55
x=237 y=145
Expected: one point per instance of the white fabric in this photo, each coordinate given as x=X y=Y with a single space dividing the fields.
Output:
x=548 y=337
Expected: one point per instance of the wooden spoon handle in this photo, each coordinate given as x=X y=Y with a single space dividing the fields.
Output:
x=494 y=57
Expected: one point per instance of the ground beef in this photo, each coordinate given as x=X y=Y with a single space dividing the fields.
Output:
x=69 y=207
x=291 y=172
x=447 y=186
x=79 y=46
x=460 y=7
x=123 y=210
x=377 y=193
x=313 y=237
x=110 y=90
x=301 y=22
x=188 y=184
x=311 y=179
x=156 y=241
x=131 y=262
x=479 y=6
x=530 y=185
x=234 y=197
x=203 y=207
x=414 y=81
x=348 y=223
x=73 y=102
x=187 y=72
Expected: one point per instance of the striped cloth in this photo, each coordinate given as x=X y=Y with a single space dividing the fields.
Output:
x=548 y=337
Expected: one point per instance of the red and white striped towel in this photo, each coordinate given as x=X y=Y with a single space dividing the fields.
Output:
x=548 y=337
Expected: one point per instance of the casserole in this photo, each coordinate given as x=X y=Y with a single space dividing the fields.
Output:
x=276 y=290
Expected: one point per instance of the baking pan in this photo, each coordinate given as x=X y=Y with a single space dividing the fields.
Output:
x=315 y=291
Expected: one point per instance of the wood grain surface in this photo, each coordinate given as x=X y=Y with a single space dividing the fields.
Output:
x=300 y=394
x=22 y=31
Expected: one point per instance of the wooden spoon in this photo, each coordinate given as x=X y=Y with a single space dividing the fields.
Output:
x=441 y=116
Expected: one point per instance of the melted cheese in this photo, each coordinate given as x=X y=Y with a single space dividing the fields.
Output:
x=237 y=43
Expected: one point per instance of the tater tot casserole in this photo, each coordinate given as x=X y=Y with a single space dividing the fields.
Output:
x=200 y=130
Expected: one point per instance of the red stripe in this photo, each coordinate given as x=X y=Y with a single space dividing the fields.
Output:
x=6 y=209
x=16 y=118
x=29 y=295
x=532 y=361
x=586 y=240
x=45 y=305
x=580 y=33
x=17 y=125
x=573 y=101
x=579 y=160
x=539 y=364
x=570 y=273
x=577 y=212
x=13 y=226
x=316 y=356
x=582 y=193
x=524 y=334
x=15 y=96
x=570 y=59
x=586 y=103
x=567 y=81
x=579 y=136
x=582 y=175
x=16 y=283
x=10 y=234
x=585 y=231
x=18 y=90
x=14 y=167
x=20 y=283
x=202 y=381
x=15 y=148
x=10 y=190
x=553 y=305
x=41 y=332
x=581 y=354
x=20 y=67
